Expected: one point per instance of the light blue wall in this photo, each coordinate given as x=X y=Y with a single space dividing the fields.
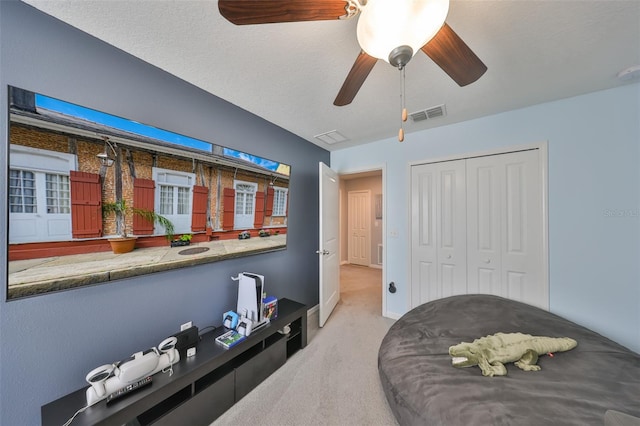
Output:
x=594 y=199
x=48 y=343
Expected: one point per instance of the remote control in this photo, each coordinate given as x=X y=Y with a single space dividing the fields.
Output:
x=129 y=389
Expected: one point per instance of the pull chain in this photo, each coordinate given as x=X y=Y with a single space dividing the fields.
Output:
x=402 y=106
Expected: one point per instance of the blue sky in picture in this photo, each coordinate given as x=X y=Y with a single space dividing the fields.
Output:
x=119 y=123
x=144 y=130
x=262 y=162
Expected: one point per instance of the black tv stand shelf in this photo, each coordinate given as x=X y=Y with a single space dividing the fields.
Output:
x=202 y=387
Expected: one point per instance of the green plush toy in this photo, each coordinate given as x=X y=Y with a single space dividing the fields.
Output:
x=490 y=353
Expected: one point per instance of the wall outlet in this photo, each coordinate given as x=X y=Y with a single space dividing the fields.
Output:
x=186 y=325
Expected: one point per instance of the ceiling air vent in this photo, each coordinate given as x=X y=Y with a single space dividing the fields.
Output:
x=433 y=112
x=331 y=137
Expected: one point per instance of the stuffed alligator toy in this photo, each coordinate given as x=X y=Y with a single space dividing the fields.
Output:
x=490 y=353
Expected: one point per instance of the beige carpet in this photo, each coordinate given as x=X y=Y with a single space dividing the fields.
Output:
x=334 y=380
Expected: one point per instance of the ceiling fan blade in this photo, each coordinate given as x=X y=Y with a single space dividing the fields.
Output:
x=455 y=58
x=358 y=74
x=247 y=12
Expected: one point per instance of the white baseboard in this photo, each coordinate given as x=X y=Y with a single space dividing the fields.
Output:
x=313 y=310
x=372 y=265
x=393 y=315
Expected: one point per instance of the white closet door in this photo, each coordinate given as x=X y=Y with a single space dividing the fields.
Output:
x=523 y=276
x=423 y=233
x=504 y=202
x=478 y=227
x=484 y=226
x=438 y=214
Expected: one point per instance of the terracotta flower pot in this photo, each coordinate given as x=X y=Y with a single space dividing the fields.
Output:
x=121 y=245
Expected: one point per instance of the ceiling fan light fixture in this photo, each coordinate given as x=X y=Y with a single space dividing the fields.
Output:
x=384 y=25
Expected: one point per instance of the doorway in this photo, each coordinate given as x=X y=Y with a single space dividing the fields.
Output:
x=362 y=229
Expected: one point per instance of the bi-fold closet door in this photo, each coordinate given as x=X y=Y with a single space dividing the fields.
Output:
x=438 y=237
x=477 y=227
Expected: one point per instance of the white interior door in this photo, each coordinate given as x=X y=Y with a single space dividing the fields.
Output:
x=451 y=229
x=484 y=208
x=359 y=227
x=523 y=276
x=438 y=237
x=329 y=250
x=423 y=233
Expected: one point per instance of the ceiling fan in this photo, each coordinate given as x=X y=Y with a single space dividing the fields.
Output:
x=391 y=30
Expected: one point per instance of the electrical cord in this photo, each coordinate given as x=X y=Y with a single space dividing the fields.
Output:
x=212 y=327
x=74 y=416
x=169 y=369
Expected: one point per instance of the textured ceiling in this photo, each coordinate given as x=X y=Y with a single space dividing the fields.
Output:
x=535 y=51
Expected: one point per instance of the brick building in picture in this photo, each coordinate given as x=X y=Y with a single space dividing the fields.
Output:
x=64 y=168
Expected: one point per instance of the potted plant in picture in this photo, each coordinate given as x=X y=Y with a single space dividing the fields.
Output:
x=184 y=240
x=264 y=233
x=123 y=242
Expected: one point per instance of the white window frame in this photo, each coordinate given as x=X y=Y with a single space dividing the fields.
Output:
x=32 y=227
x=285 y=192
x=175 y=179
x=59 y=197
x=26 y=194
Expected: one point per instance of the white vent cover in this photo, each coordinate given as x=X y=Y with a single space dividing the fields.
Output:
x=429 y=113
x=331 y=137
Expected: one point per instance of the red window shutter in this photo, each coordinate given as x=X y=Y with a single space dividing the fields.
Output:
x=258 y=218
x=199 y=210
x=86 y=205
x=143 y=198
x=269 y=211
x=286 y=213
x=228 y=211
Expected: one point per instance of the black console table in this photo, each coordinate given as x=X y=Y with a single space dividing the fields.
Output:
x=203 y=386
